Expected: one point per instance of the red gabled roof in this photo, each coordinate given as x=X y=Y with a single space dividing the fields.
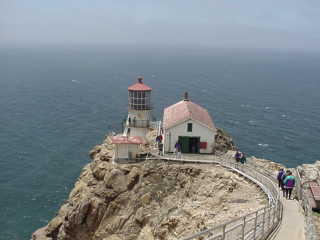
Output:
x=185 y=110
x=139 y=86
x=127 y=140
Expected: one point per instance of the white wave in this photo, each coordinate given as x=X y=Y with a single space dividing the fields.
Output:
x=75 y=81
x=252 y=122
x=232 y=121
x=263 y=145
x=287 y=138
x=245 y=105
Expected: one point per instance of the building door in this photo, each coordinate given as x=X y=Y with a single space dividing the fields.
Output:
x=184 y=141
x=189 y=144
x=194 y=144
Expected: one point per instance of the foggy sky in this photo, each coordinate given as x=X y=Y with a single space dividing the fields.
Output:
x=293 y=24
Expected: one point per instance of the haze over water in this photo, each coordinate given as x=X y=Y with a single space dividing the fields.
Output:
x=57 y=103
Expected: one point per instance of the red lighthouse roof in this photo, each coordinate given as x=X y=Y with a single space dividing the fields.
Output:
x=139 y=86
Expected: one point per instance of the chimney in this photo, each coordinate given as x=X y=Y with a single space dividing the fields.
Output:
x=186 y=97
x=140 y=78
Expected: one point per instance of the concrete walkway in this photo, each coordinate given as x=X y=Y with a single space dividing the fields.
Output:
x=293 y=225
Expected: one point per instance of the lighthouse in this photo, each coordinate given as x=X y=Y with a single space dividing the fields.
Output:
x=139 y=109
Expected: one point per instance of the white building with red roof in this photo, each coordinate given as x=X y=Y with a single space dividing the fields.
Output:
x=191 y=125
x=127 y=148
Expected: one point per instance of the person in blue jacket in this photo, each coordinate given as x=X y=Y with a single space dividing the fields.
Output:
x=284 y=175
x=238 y=156
x=289 y=183
x=279 y=178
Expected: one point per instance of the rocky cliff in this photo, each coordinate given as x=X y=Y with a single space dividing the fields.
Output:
x=311 y=172
x=223 y=142
x=152 y=200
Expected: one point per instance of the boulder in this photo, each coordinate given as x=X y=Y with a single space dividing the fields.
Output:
x=95 y=151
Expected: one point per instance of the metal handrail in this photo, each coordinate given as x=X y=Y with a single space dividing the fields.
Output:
x=137 y=123
x=261 y=223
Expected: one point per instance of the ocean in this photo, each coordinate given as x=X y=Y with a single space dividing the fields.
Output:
x=56 y=103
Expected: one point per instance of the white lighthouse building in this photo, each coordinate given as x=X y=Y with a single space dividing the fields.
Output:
x=191 y=125
x=139 y=112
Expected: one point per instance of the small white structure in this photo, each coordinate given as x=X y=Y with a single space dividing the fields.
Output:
x=139 y=112
x=191 y=125
x=126 y=148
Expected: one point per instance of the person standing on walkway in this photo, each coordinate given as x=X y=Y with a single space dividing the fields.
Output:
x=279 y=177
x=289 y=183
x=160 y=148
x=238 y=156
x=285 y=174
x=157 y=141
x=177 y=147
x=243 y=158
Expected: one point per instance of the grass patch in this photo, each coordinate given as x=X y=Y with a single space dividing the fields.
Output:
x=317 y=214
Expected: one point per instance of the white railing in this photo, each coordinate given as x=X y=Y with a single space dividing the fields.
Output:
x=253 y=226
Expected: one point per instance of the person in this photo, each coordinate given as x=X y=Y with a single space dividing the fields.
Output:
x=285 y=174
x=237 y=156
x=177 y=147
x=289 y=183
x=157 y=140
x=134 y=121
x=160 y=148
x=243 y=158
x=279 y=178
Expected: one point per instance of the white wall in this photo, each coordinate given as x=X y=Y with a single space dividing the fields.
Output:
x=140 y=114
x=171 y=135
x=122 y=150
x=141 y=132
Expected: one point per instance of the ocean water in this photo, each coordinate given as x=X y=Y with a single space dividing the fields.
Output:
x=57 y=103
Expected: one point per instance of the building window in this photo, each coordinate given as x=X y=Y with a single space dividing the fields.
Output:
x=189 y=129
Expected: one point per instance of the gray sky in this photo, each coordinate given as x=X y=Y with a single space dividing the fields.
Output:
x=215 y=23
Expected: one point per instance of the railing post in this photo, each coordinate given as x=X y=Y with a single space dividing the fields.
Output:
x=255 y=225
x=243 y=227
x=224 y=232
x=263 y=220
x=269 y=218
x=274 y=213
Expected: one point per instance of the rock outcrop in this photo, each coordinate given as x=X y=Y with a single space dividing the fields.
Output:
x=152 y=200
x=223 y=142
x=310 y=173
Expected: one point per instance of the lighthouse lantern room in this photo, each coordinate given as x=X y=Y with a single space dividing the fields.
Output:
x=139 y=112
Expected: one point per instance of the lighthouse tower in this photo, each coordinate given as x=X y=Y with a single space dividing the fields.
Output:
x=139 y=112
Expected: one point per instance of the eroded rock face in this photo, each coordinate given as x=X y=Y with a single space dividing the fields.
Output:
x=223 y=142
x=310 y=172
x=153 y=200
